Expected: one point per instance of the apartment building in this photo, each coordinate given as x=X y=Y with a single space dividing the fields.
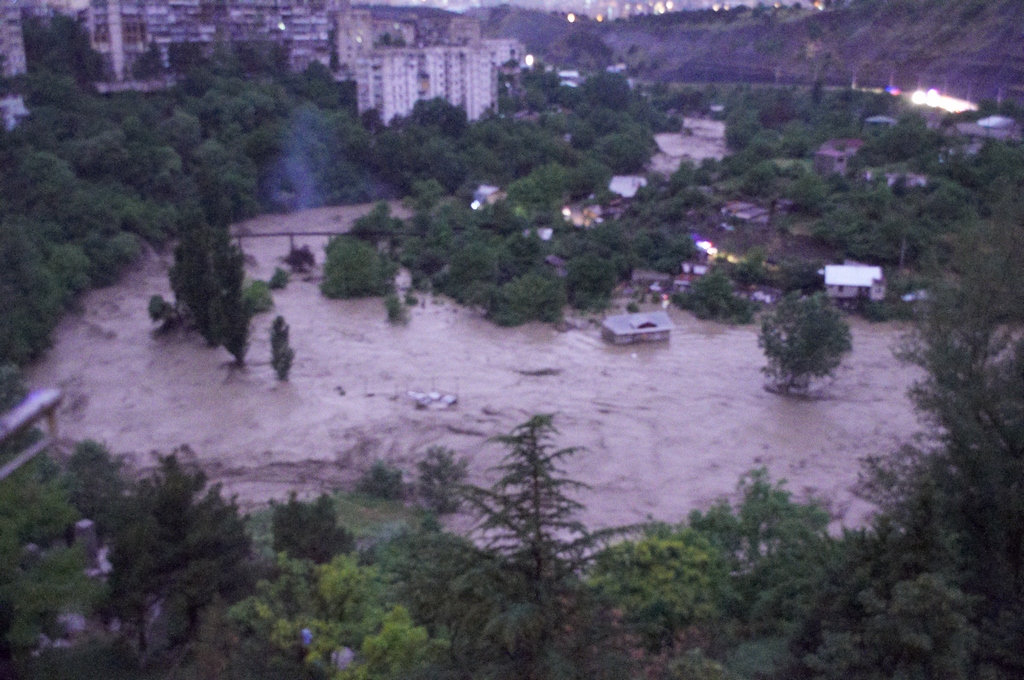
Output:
x=397 y=56
x=392 y=80
x=400 y=56
x=123 y=30
x=12 y=48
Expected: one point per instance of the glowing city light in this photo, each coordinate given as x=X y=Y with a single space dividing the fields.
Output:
x=571 y=17
x=669 y=5
x=281 y=26
x=600 y=18
x=934 y=100
x=529 y=60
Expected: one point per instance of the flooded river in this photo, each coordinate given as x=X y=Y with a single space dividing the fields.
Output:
x=665 y=428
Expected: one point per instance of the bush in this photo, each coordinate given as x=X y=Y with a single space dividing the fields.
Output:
x=279 y=280
x=354 y=269
x=309 y=530
x=281 y=353
x=590 y=281
x=711 y=297
x=441 y=476
x=163 y=312
x=382 y=481
x=528 y=298
x=397 y=313
x=257 y=298
x=632 y=308
x=300 y=259
x=411 y=299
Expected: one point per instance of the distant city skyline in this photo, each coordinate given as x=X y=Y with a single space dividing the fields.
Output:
x=599 y=10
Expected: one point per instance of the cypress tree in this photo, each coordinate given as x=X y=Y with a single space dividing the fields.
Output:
x=230 y=313
x=192 y=277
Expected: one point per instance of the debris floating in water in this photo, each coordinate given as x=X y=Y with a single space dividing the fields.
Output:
x=432 y=399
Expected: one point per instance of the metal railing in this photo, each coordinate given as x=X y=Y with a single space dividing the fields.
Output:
x=36 y=406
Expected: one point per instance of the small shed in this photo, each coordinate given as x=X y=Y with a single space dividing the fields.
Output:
x=852 y=281
x=834 y=154
x=626 y=185
x=486 y=194
x=623 y=329
x=748 y=212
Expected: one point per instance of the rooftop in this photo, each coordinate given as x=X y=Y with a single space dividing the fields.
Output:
x=626 y=185
x=852 y=275
x=643 y=322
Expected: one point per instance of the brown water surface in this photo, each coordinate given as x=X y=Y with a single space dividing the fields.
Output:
x=666 y=428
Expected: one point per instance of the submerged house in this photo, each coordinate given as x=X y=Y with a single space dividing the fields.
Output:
x=852 y=281
x=624 y=329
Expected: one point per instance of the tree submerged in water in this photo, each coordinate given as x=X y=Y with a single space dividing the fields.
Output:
x=804 y=338
x=281 y=353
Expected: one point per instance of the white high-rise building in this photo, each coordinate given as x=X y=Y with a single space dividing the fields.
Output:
x=392 y=80
x=12 y=47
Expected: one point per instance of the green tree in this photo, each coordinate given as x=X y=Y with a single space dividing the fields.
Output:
x=528 y=298
x=665 y=581
x=973 y=393
x=382 y=481
x=711 y=297
x=230 y=313
x=309 y=531
x=777 y=551
x=192 y=277
x=353 y=269
x=180 y=548
x=341 y=604
x=441 y=478
x=398 y=650
x=803 y=338
x=541 y=615
x=30 y=299
x=397 y=313
x=281 y=353
x=590 y=281
x=95 y=485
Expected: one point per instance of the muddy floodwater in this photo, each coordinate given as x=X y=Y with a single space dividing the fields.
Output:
x=666 y=428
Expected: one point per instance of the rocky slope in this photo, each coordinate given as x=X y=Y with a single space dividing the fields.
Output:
x=968 y=48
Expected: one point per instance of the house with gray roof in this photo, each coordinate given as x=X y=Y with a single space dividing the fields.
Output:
x=623 y=329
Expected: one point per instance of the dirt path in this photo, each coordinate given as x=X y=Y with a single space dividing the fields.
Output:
x=667 y=428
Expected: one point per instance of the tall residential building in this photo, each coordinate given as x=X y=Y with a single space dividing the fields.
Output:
x=392 y=80
x=397 y=56
x=402 y=56
x=12 y=48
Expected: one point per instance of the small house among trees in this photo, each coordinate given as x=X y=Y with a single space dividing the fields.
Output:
x=853 y=281
x=624 y=329
x=833 y=155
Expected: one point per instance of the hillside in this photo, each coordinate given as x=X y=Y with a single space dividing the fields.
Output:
x=966 y=47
